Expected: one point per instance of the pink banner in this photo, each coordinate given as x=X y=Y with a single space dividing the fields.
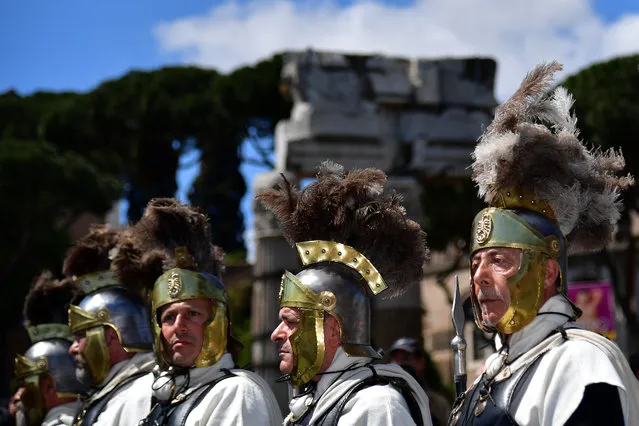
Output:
x=596 y=300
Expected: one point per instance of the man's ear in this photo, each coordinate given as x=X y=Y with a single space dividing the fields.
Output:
x=47 y=389
x=551 y=276
x=331 y=332
x=110 y=335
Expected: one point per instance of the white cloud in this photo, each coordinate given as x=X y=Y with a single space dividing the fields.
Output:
x=517 y=33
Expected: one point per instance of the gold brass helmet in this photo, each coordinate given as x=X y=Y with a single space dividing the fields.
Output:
x=177 y=285
x=547 y=190
x=108 y=304
x=333 y=282
x=520 y=221
x=48 y=356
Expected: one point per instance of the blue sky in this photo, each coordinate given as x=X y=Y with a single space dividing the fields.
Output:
x=76 y=44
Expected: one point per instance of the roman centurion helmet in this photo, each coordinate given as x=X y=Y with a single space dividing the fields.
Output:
x=170 y=250
x=354 y=243
x=548 y=194
x=107 y=302
x=45 y=312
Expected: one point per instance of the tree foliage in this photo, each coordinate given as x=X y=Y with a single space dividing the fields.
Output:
x=45 y=191
x=607 y=106
x=449 y=208
x=63 y=154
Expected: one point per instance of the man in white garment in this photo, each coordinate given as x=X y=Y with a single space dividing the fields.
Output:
x=112 y=339
x=49 y=392
x=196 y=381
x=546 y=192
x=354 y=243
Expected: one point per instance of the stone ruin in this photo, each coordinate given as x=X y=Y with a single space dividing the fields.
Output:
x=416 y=119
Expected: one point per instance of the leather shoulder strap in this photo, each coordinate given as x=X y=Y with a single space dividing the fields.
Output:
x=178 y=417
x=90 y=412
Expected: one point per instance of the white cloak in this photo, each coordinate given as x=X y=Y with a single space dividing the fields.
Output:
x=245 y=399
x=378 y=405
x=62 y=415
x=555 y=389
x=140 y=362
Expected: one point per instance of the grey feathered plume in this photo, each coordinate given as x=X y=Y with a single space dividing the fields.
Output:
x=350 y=208
x=518 y=150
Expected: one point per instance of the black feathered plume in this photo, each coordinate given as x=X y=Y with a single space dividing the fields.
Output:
x=147 y=250
x=350 y=208
x=518 y=150
x=48 y=300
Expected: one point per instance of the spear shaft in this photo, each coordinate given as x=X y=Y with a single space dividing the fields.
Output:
x=458 y=344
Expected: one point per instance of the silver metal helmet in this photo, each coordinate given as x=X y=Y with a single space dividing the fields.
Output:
x=334 y=281
x=61 y=366
x=48 y=356
x=127 y=316
x=352 y=304
x=113 y=306
x=355 y=243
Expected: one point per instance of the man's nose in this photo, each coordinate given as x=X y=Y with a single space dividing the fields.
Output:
x=74 y=349
x=481 y=274
x=180 y=322
x=277 y=335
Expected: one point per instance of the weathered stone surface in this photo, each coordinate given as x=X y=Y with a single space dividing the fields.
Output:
x=313 y=136
x=425 y=76
x=375 y=111
x=464 y=82
x=416 y=125
x=389 y=79
x=441 y=143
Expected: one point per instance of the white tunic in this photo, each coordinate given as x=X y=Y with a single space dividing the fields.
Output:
x=62 y=415
x=376 y=405
x=140 y=362
x=555 y=389
x=244 y=399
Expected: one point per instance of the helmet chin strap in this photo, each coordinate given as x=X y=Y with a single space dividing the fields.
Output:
x=283 y=378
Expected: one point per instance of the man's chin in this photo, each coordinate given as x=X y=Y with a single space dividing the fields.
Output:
x=181 y=361
x=491 y=321
x=286 y=367
x=84 y=376
x=491 y=318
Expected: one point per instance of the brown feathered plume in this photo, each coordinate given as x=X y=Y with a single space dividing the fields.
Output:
x=147 y=250
x=90 y=253
x=351 y=209
x=48 y=300
x=519 y=150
